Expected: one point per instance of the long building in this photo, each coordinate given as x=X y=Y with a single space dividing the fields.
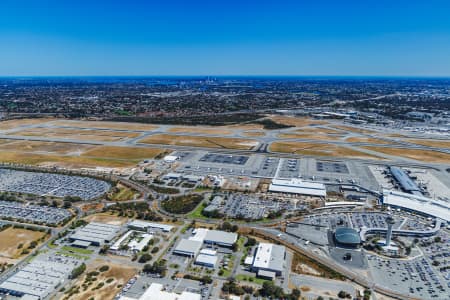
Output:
x=419 y=204
x=156 y=292
x=405 y=181
x=95 y=233
x=297 y=186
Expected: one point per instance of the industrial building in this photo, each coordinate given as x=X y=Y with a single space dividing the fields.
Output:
x=156 y=292
x=346 y=237
x=39 y=278
x=146 y=226
x=297 y=186
x=188 y=247
x=405 y=181
x=207 y=258
x=96 y=234
x=268 y=261
x=214 y=237
x=419 y=204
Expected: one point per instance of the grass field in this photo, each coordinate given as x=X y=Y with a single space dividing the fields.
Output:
x=38 y=146
x=106 y=284
x=131 y=153
x=296 y=121
x=124 y=193
x=198 y=141
x=318 y=149
x=432 y=143
x=309 y=136
x=366 y=140
x=106 y=125
x=203 y=129
x=10 y=124
x=11 y=238
x=77 y=134
x=417 y=154
x=353 y=129
x=254 y=133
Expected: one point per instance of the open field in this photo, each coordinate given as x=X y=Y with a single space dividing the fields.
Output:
x=106 y=125
x=309 y=136
x=254 y=133
x=42 y=147
x=431 y=143
x=77 y=134
x=296 y=121
x=10 y=124
x=318 y=150
x=366 y=140
x=106 y=218
x=11 y=239
x=202 y=129
x=353 y=129
x=62 y=160
x=106 y=284
x=198 y=141
x=131 y=153
x=123 y=193
x=417 y=154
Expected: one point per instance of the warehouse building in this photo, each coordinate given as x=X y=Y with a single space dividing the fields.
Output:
x=268 y=261
x=95 y=233
x=147 y=226
x=297 y=186
x=188 y=248
x=39 y=278
x=214 y=237
x=207 y=258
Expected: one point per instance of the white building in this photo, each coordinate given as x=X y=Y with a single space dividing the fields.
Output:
x=297 y=186
x=269 y=260
x=171 y=158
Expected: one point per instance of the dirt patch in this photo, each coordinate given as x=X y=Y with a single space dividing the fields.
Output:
x=37 y=146
x=11 y=124
x=353 y=129
x=77 y=134
x=296 y=121
x=367 y=140
x=15 y=240
x=106 y=219
x=254 y=133
x=309 y=136
x=198 y=141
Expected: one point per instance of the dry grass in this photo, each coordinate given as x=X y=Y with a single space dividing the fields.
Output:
x=296 y=121
x=317 y=149
x=432 y=143
x=416 y=154
x=309 y=136
x=38 y=146
x=366 y=140
x=130 y=153
x=10 y=124
x=353 y=129
x=62 y=160
x=106 y=125
x=106 y=218
x=77 y=134
x=201 y=130
x=11 y=238
x=254 y=133
x=198 y=141
x=119 y=273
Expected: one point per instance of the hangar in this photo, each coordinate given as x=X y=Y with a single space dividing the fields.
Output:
x=297 y=186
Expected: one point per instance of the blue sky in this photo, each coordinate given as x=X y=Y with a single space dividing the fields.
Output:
x=131 y=37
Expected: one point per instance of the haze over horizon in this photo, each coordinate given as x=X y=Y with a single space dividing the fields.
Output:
x=149 y=38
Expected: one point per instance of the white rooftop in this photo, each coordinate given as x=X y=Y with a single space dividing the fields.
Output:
x=155 y=292
x=144 y=224
x=297 y=186
x=436 y=208
x=269 y=257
